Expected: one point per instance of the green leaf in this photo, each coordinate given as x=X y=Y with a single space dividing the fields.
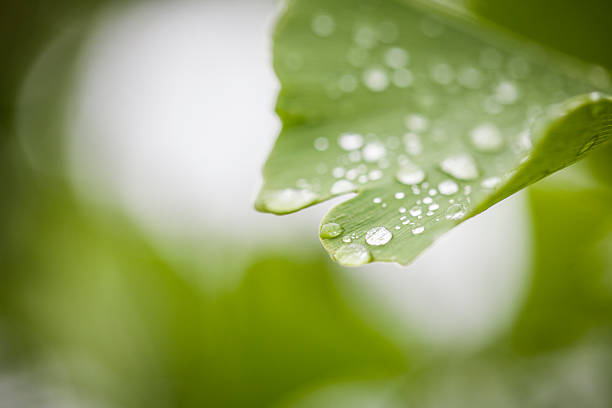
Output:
x=430 y=117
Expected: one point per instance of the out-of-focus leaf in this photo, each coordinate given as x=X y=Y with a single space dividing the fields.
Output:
x=428 y=116
x=571 y=291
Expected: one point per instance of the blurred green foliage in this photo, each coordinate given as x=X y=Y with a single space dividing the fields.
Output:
x=86 y=292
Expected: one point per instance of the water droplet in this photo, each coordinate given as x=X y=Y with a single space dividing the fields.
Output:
x=378 y=236
x=330 y=230
x=400 y=195
x=427 y=200
x=448 y=187
x=374 y=151
x=396 y=57
x=410 y=174
x=323 y=25
x=353 y=255
x=470 y=77
x=342 y=186
x=486 y=138
x=416 y=211
x=434 y=207
x=366 y=37
x=418 y=230
x=321 y=144
x=442 y=74
x=506 y=93
x=398 y=227
x=350 y=141
x=417 y=123
x=376 y=79
x=338 y=172
x=461 y=167
x=289 y=199
x=348 y=83
x=347 y=239
x=490 y=182
x=432 y=192
x=402 y=78
x=412 y=143
x=402 y=210
x=375 y=175
x=455 y=212
x=377 y=200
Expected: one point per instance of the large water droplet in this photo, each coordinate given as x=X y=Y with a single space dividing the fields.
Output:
x=353 y=255
x=455 y=212
x=410 y=174
x=330 y=230
x=342 y=187
x=448 y=187
x=486 y=138
x=460 y=166
x=378 y=236
x=374 y=151
x=418 y=230
x=350 y=141
x=491 y=182
x=289 y=199
x=323 y=25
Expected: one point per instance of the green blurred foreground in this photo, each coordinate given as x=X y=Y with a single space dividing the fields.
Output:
x=88 y=305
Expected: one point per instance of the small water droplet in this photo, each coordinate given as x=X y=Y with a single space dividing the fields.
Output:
x=321 y=144
x=376 y=79
x=375 y=175
x=342 y=187
x=506 y=93
x=323 y=25
x=442 y=74
x=455 y=212
x=400 y=195
x=353 y=255
x=338 y=172
x=350 y=141
x=402 y=78
x=377 y=200
x=412 y=144
x=491 y=182
x=398 y=227
x=347 y=239
x=461 y=167
x=402 y=210
x=289 y=199
x=378 y=236
x=434 y=207
x=416 y=211
x=366 y=37
x=470 y=77
x=486 y=138
x=432 y=192
x=410 y=174
x=418 y=230
x=448 y=187
x=427 y=200
x=396 y=57
x=347 y=83
x=417 y=123
x=330 y=230
x=374 y=151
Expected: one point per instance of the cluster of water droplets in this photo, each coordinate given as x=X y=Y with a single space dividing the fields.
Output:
x=466 y=157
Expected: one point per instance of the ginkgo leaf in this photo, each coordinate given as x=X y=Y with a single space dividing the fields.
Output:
x=429 y=116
